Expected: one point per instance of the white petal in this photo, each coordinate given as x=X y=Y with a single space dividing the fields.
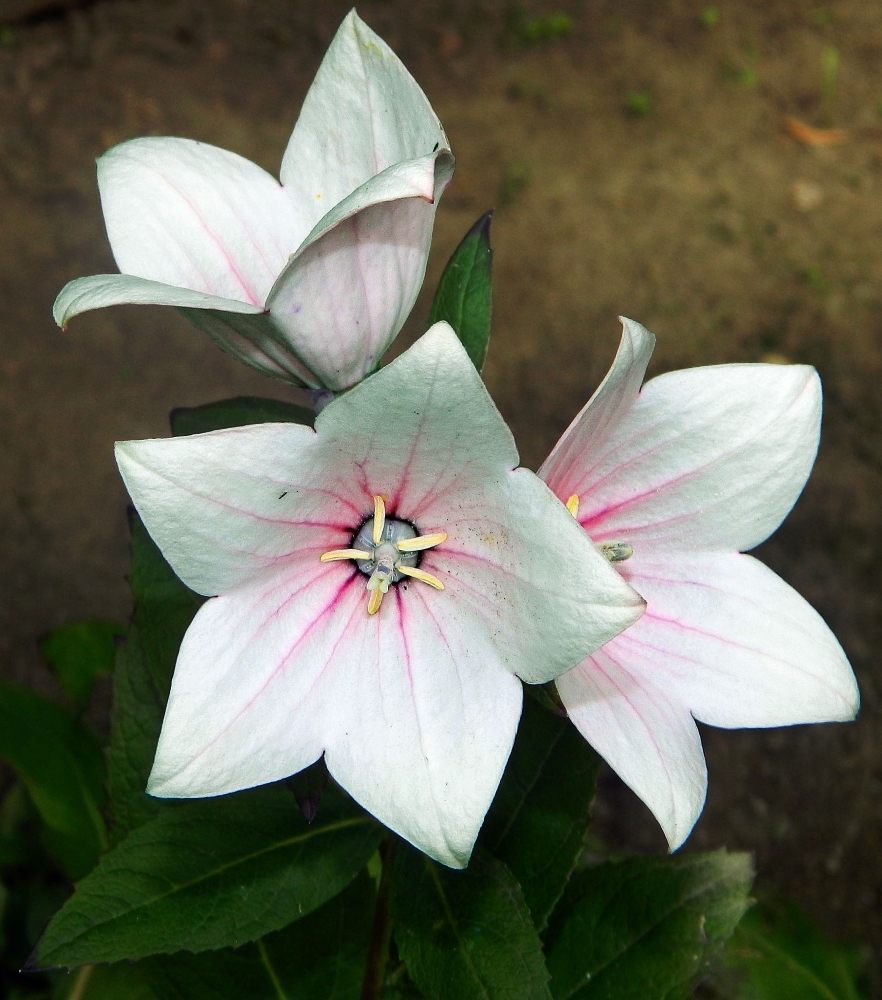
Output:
x=363 y=113
x=430 y=717
x=416 y=719
x=227 y=505
x=582 y=443
x=513 y=567
x=102 y=290
x=342 y=299
x=649 y=739
x=729 y=640
x=189 y=214
x=242 y=709
x=706 y=458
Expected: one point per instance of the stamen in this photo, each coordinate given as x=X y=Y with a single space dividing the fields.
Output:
x=386 y=550
x=379 y=519
x=336 y=554
x=573 y=505
x=616 y=551
x=421 y=542
x=418 y=574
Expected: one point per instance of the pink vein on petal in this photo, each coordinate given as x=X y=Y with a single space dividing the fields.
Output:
x=634 y=710
x=331 y=604
x=234 y=270
x=691 y=629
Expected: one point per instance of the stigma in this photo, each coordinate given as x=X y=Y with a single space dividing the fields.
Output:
x=615 y=552
x=386 y=550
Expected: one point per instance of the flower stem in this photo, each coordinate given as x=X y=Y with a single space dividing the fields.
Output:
x=381 y=931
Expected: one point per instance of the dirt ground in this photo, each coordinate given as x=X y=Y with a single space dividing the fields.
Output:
x=638 y=166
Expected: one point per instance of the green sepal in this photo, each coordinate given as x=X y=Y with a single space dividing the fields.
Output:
x=780 y=952
x=464 y=294
x=538 y=820
x=645 y=927
x=465 y=934
x=61 y=764
x=79 y=653
x=237 y=412
x=212 y=873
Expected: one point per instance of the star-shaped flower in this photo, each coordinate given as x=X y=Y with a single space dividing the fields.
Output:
x=384 y=581
x=308 y=280
x=674 y=482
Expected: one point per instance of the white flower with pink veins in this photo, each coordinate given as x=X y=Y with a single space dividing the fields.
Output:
x=385 y=582
x=673 y=482
x=307 y=280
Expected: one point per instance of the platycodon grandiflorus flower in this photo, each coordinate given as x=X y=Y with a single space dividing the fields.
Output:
x=308 y=280
x=384 y=581
x=674 y=482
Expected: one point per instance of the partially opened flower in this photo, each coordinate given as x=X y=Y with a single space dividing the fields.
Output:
x=385 y=580
x=308 y=280
x=673 y=482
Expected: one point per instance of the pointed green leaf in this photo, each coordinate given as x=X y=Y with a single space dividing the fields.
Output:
x=465 y=934
x=164 y=608
x=538 y=819
x=210 y=874
x=782 y=953
x=464 y=295
x=645 y=927
x=321 y=957
x=80 y=652
x=237 y=413
x=62 y=767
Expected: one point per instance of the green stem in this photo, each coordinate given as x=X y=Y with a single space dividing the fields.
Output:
x=381 y=931
x=81 y=980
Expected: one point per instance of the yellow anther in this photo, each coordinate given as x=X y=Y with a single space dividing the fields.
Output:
x=374 y=601
x=336 y=554
x=421 y=542
x=379 y=520
x=418 y=574
x=573 y=505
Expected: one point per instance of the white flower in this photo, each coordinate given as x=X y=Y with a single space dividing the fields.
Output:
x=673 y=482
x=407 y=488
x=308 y=280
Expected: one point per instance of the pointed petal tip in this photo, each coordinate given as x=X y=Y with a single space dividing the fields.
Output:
x=637 y=333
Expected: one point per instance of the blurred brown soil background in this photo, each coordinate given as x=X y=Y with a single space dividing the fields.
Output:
x=638 y=165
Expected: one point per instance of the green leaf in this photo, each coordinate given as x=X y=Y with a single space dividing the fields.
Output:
x=164 y=608
x=538 y=819
x=79 y=653
x=464 y=295
x=782 y=953
x=211 y=874
x=465 y=934
x=237 y=413
x=62 y=767
x=321 y=957
x=645 y=927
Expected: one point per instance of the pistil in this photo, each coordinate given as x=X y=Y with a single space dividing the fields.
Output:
x=615 y=552
x=387 y=550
